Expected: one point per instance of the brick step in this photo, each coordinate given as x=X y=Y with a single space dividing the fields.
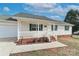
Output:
x=34 y=40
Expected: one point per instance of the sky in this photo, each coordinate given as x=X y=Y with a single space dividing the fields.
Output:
x=56 y=11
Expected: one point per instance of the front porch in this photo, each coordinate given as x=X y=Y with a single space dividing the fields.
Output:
x=35 y=40
x=34 y=31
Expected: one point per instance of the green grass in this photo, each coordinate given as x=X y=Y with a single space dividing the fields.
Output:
x=71 y=50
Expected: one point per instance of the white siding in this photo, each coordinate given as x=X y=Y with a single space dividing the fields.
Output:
x=25 y=33
x=61 y=30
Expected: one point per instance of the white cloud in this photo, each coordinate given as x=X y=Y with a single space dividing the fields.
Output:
x=48 y=8
x=58 y=10
x=51 y=8
x=63 y=10
x=6 y=9
x=43 y=5
x=39 y=8
x=73 y=7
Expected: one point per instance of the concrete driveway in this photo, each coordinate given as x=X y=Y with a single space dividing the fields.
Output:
x=6 y=45
x=12 y=39
x=39 y=46
x=6 y=48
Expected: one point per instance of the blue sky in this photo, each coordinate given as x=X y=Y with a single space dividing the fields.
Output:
x=55 y=11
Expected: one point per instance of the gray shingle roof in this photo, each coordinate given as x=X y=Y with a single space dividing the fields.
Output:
x=6 y=18
x=3 y=17
x=25 y=15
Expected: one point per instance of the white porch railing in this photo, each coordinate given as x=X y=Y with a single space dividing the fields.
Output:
x=28 y=34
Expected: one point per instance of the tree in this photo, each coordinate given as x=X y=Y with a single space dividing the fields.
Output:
x=73 y=18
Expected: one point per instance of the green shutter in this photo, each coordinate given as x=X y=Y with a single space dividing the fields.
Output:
x=40 y=27
x=52 y=27
x=30 y=27
x=56 y=27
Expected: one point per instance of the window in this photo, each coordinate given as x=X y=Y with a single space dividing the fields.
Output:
x=34 y=27
x=40 y=27
x=52 y=27
x=56 y=27
x=45 y=25
x=66 y=27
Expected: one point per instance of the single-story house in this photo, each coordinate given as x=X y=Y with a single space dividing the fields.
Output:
x=30 y=28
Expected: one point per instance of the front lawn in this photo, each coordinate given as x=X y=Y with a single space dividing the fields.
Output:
x=71 y=50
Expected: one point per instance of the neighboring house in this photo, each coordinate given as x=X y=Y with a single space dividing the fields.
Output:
x=36 y=29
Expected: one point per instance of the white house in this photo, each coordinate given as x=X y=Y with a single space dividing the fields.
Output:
x=34 y=29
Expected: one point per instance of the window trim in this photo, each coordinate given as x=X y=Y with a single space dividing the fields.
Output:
x=40 y=28
x=31 y=27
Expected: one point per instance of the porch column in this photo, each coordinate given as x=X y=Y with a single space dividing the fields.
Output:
x=49 y=31
x=19 y=27
x=38 y=29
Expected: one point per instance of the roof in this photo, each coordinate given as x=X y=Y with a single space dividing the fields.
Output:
x=3 y=17
x=6 y=18
x=26 y=15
